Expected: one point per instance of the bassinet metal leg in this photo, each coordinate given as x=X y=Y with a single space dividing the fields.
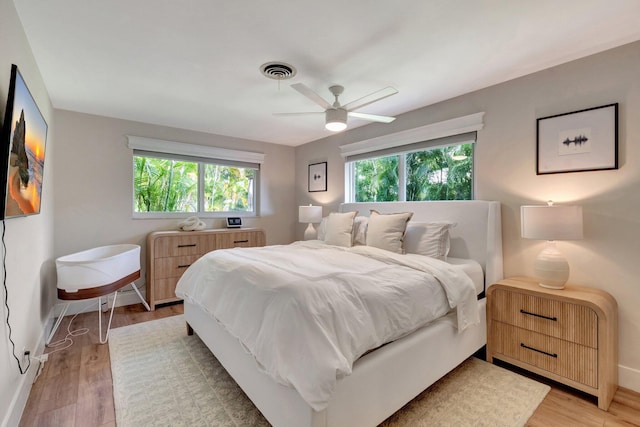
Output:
x=135 y=288
x=113 y=306
x=57 y=324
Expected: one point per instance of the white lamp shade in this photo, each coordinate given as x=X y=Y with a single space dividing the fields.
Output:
x=551 y=222
x=310 y=214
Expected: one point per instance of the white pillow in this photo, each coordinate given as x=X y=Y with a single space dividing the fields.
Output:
x=360 y=230
x=428 y=238
x=339 y=229
x=387 y=231
x=322 y=228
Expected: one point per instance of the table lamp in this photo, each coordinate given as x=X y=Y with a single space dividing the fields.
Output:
x=310 y=214
x=551 y=223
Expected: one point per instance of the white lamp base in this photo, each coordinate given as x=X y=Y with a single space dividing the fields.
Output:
x=310 y=232
x=551 y=267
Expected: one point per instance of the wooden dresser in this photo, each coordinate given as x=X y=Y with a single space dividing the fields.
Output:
x=169 y=253
x=568 y=335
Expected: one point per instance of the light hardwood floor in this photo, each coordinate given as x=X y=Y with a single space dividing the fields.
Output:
x=74 y=389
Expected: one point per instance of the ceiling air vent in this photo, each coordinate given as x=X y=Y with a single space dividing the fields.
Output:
x=278 y=70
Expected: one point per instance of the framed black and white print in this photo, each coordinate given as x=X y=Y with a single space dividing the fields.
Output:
x=318 y=177
x=585 y=140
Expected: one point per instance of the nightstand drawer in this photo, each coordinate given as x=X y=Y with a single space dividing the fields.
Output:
x=570 y=322
x=567 y=359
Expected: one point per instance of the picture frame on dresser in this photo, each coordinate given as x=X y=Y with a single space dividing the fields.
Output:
x=579 y=141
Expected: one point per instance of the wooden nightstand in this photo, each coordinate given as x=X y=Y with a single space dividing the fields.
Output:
x=568 y=335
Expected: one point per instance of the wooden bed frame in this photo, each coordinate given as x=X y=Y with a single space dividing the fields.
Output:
x=386 y=379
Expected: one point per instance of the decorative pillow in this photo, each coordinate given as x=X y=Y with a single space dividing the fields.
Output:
x=360 y=230
x=428 y=238
x=387 y=231
x=322 y=228
x=339 y=229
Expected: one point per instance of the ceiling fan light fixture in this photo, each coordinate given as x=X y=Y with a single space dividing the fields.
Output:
x=336 y=119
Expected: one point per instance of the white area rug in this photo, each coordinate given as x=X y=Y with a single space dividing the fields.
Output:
x=162 y=377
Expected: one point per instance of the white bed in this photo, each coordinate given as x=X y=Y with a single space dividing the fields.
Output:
x=385 y=379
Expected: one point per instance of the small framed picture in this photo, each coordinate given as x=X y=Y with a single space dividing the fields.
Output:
x=318 y=177
x=585 y=140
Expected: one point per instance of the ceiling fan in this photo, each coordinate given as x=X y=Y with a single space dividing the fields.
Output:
x=336 y=114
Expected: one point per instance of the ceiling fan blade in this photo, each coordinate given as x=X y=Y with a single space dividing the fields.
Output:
x=371 y=117
x=299 y=114
x=306 y=91
x=371 y=98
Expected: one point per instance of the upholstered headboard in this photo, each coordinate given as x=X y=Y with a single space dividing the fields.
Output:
x=477 y=234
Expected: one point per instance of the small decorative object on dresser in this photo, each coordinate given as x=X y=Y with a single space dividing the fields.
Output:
x=569 y=336
x=170 y=253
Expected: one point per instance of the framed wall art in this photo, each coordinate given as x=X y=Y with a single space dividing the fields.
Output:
x=23 y=138
x=585 y=140
x=318 y=177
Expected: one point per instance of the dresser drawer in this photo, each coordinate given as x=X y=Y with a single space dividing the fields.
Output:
x=165 y=289
x=245 y=239
x=170 y=246
x=569 y=360
x=570 y=322
x=172 y=266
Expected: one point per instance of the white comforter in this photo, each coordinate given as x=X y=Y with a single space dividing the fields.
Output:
x=307 y=311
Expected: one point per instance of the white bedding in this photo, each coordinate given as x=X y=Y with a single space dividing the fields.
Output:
x=307 y=311
x=472 y=268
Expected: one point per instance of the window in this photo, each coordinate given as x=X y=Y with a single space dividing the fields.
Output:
x=443 y=173
x=177 y=183
x=430 y=162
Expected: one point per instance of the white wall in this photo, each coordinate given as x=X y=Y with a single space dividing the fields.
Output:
x=608 y=257
x=29 y=240
x=94 y=183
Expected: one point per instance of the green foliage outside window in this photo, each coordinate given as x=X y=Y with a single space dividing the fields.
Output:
x=376 y=180
x=438 y=174
x=228 y=189
x=170 y=185
x=165 y=185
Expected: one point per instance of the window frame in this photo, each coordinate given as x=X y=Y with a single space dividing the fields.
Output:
x=430 y=135
x=202 y=155
x=350 y=180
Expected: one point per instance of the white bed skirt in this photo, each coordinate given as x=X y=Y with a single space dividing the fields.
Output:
x=382 y=381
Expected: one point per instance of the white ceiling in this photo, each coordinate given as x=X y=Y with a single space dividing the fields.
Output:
x=194 y=64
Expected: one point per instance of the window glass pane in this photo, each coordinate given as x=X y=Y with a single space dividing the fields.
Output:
x=165 y=185
x=440 y=174
x=376 y=180
x=228 y=189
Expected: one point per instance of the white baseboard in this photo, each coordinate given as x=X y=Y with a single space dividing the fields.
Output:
x=19 y=401
x=629 y=378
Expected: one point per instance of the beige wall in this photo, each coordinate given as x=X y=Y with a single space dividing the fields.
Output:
x=29 y=240
x=94 y=190
x=608 y=257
